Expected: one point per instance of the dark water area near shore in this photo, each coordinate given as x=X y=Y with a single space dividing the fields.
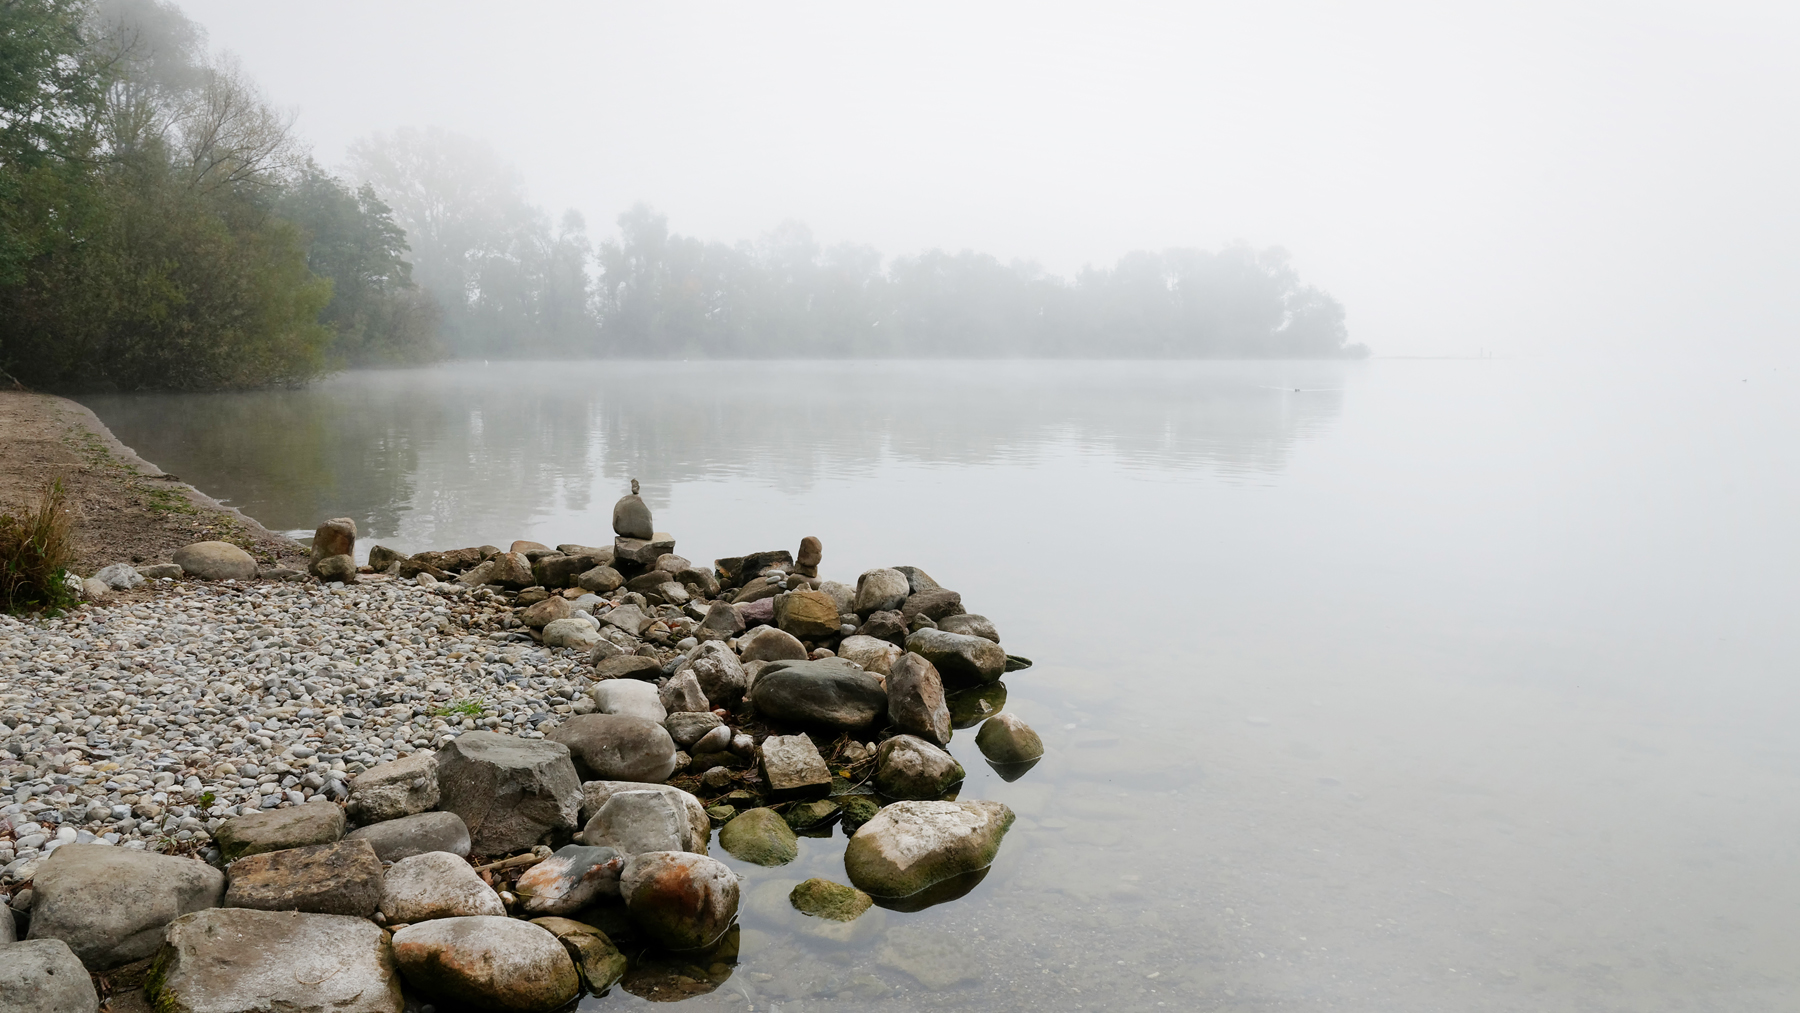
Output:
x=1391 y=685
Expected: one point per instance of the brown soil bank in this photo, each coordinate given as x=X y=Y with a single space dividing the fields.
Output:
x=127 y=510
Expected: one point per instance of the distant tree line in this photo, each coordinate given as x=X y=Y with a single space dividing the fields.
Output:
x=161 y=227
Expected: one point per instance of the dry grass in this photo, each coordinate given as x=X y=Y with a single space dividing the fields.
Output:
x=36 y=551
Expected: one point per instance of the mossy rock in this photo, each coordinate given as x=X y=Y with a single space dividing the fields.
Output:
x=811 y=814
x=822 y=898
x=857 y=810
x=760 y=836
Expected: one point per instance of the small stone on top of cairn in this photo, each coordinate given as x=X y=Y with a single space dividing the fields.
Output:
x=806 y=562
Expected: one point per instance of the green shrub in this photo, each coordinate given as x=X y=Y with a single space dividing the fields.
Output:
x=35 y=552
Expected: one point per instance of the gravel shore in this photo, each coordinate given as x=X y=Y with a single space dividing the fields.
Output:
x=146 y=723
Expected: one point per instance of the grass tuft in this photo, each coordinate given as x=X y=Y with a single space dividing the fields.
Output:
x=36 y=550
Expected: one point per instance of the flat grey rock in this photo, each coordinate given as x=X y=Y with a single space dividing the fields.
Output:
x=235 y=960
x=415 y=835
x=111 y=905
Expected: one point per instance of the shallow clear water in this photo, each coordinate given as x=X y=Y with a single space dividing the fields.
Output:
x=1431 y=685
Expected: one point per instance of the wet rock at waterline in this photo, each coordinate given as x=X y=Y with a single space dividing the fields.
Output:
x=342 y=878
x=916 y=699
x=215 y=561
x=908 y=767
x=436 y=884
x=388 y=791
x=761 y=837
x=617 y=747
x=959 y=658
x=407 y=836
x=829 y=693
x=822 y=898
x=599 y=961
x=319 y=822
x=487 y=962
x=809 y=815
x=512 y=793
x=571 y=879
x=970 y=707
x=1005 y=739
x=43 y=976
x=793 y=768
x=681 y=901
x=910 y=846
x=110 y=905
x=855 y=810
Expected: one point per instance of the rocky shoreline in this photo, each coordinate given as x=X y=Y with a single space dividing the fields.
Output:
x=483 y=777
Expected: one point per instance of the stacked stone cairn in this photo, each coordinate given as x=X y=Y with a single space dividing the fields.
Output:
x=509 y=872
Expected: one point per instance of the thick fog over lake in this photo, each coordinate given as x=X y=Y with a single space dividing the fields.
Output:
x=1533 y=177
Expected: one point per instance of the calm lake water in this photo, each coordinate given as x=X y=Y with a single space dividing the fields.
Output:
x=1427 y=686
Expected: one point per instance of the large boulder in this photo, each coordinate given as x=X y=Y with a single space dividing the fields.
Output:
x=342 y=878
x=319 y=822
x=643 y=551
x=216 y=561
x=110 y=905
x=388 y=791
x=873 y=655
x=682 y=901
x=959 y=658
x=571 y=879
x=829 y=692
x=793 y=768
x=809 y=615
x=629 y=697
x=631 y=517
x=916 y=700
x=44 y=976
x=720 y=673
x=907 y=766
x=234 y=960
x=563 y=570
x=512 y=793
x=760 y=836
x=617 y=747
x=770 y=644
x=632 y=822
x=910 y=846
x=1005 y=739
x=436 y=884
x=415 y=835
x=881 y=590
x=699 y=828
x=487 y=962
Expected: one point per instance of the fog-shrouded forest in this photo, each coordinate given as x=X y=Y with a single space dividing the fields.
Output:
x=163 y=227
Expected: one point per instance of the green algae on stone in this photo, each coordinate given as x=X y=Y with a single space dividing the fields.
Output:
x=811 y=814
x=822 y=898
x=1005 y=739
x=760 y=836
x=858 y=809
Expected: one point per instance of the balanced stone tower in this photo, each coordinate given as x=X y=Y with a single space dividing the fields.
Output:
x=637 y=544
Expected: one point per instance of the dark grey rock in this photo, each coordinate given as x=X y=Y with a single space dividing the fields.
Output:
x=602 y=579
x=959 y=659
x=640 y=551
x=627 y=666
x=571 y=879
x=631 y=518
x=829 y=692
x=415 y=835
x=917 y=580
x=110 y=905
x=511 y=792
x=887 y=625
x=936 y=605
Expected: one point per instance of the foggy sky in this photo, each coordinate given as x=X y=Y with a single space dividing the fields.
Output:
x=1524 y=178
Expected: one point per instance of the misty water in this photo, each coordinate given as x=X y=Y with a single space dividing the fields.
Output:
x=1427 y=685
